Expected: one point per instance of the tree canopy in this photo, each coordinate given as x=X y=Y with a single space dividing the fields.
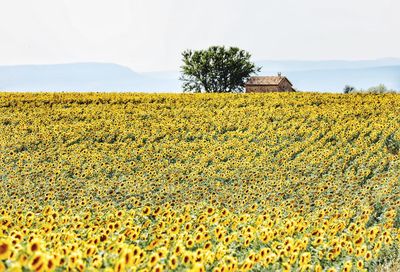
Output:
x=380 y=89
x=216 y=70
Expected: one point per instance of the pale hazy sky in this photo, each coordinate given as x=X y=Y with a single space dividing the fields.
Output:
x=149 y=35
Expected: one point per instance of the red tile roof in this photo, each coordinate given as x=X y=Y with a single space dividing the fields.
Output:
x=266 y=80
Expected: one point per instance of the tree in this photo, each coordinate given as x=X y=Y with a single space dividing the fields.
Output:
x=216 y=70
x=381 y=88
x=348 y=89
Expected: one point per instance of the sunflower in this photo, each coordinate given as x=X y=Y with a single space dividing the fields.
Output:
x=189 y=243
x=198 y=267
x=173 y=262
x=318 y=241
x=128 y=258
x=119 y=266
x=210 y=210
x=90 y=251
x=51 y=263
x=174 y=229
x=217 y=269
x=305 y=258
x=359 y=241
x=377 y=247
x=158 y=268
x=246 y=265
x=97 y=262
x=153 y=259
x=178 y=249
x=347 y=266
x=146 y=210
x=318 y=268
x=360 y=264
x=286 y=267
x=37 y=262
x=368 y=255
x=187 y=258
x=162 y=252
x=5 y=249
x=23 y=258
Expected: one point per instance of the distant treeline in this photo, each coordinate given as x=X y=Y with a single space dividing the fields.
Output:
x=380 y=89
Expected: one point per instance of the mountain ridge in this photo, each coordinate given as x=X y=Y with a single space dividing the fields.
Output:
x=322 y=76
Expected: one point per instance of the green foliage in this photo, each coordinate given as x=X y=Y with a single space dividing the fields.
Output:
x=380 y=89
x=397 y=219
x=348 y=89
x=388 y=258
x=392 y=145
x=216 y=70
x=376 y=216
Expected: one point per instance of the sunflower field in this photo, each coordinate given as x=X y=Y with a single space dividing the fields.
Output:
x=199 y=182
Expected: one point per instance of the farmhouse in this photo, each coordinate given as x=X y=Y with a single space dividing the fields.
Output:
x=267 y=84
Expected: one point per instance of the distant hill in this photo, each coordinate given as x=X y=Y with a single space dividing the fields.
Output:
x=334 y=80
x=82 y=77
x=332 y=76
x=322 y=76
x=298 y=65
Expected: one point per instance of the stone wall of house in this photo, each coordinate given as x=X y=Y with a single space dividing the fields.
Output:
x=262 y=89
x=285 y=86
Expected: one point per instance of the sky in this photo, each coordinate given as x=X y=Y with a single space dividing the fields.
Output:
x=149 y=35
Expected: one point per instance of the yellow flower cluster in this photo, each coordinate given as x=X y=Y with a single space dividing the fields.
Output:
x=196 y=182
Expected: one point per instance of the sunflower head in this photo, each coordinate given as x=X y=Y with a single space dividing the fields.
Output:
x=5 y=249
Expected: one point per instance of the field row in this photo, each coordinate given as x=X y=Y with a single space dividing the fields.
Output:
x=290 y=181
